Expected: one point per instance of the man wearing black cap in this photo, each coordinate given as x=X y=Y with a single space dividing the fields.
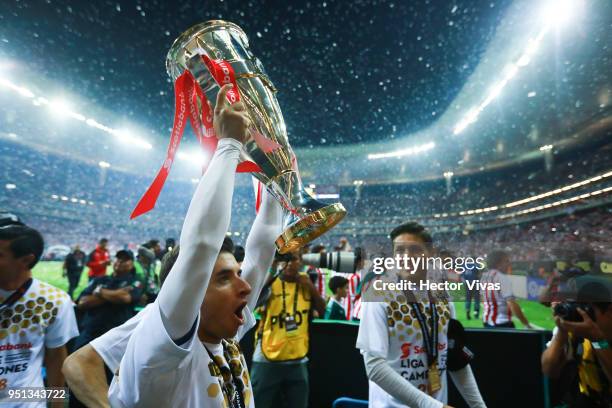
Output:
x=109 y=301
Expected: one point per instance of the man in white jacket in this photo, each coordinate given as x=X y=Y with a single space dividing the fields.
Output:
x=403 y=337
x=184 y=351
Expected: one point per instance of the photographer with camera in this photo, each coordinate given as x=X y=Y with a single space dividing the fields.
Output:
x=109 y=301
x=279 y=368
x=578 y=355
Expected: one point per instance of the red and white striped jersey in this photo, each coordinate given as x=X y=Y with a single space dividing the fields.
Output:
x=349 y=300
x=320 y=280
x=496 y=310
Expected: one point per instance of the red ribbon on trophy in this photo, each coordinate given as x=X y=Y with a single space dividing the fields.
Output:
x=186 y=94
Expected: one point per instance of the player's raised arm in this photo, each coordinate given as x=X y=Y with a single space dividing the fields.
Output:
x=206 y=222
x=259 y=251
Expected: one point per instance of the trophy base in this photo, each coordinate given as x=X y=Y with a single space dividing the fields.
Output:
x=310 y=227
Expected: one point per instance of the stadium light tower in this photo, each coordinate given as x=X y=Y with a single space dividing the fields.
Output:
x=59 y=107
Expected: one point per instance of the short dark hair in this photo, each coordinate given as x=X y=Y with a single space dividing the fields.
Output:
x=170 y=257
x=496 y=258
x=124 y=255
x=336 y=282
x=239 y=253
x=103 y=241
x=24 y=241
x=150 y=244
x=227 y=246
x=413 y=228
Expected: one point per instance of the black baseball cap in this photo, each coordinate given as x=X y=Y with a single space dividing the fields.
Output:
x=124 y=255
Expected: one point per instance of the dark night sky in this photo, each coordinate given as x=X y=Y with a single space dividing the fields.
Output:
x=346 y=73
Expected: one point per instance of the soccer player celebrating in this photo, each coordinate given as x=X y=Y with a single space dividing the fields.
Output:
x=184 y=351
x=403 y=338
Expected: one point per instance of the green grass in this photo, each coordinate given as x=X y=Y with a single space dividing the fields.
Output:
x=51 y=272
x=537 y=314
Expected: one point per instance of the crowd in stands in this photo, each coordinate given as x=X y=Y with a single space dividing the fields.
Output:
x=81 y=200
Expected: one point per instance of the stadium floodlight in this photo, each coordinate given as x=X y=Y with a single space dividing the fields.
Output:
x=403 y=152
x=64 y=198
x=448 y=174
x=60 y=107
x=19 y=89
x=559 y=12
x=11 y=186
x=54 y=196
x=546 y=148
x=313 y=186
x=125 y=136
x=358 y=182
x=196 y=158
x=104 y=164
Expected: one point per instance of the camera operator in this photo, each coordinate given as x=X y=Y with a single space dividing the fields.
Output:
x=578 y=354
x=109 y=301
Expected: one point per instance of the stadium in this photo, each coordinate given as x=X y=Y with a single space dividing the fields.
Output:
x=487 y=123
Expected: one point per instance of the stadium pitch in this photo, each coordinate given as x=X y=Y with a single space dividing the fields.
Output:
x=538 y=315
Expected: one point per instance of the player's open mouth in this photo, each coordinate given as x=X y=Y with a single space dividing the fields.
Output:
x=238 y=312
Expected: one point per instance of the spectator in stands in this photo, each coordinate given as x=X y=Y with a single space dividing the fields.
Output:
x=145 y=272
x=73 y=268
x=404 y=355
x=279 y=360
x=155 y=246
x=339 y=288
x=170 y=244
x=500 y=304
x=109 y=301
x=37 y=319
x=579 y=355
x=343 y=245
x=354 y=281
x=98 y=260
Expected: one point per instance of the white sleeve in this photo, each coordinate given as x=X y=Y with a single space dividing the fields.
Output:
x=466 y=384
x=64 y=327
x=373 y=335
x=204 y=229
x=152 y=366
x=111 y=345
x=379 y=371
x=260 y=247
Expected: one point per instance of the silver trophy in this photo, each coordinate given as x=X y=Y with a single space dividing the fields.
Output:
x=306 y=218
